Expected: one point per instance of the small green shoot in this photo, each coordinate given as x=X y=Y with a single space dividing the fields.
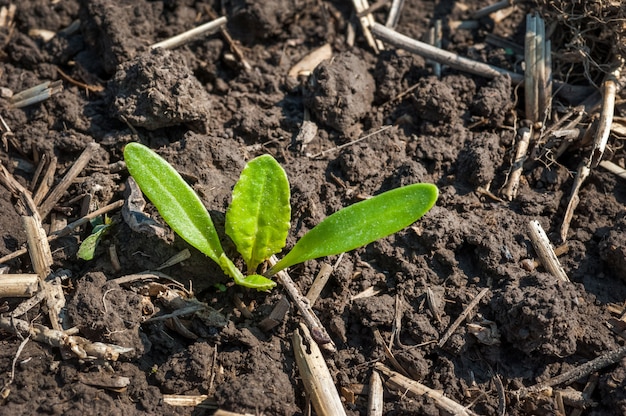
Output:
x=87 y=248
x=258 y=218
x=182 y=209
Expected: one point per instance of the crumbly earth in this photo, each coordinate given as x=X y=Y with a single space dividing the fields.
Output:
x=206 y=114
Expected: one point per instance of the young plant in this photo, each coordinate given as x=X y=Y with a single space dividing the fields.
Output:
x=88 y=246
x=258 y=218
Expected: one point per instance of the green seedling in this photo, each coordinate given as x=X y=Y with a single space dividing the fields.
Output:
x=88 y=246
x=258 y=218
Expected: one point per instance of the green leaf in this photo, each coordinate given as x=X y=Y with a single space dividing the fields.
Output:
x=88 y=247
x=362 y=223
x=258 y=218
x=176 y=201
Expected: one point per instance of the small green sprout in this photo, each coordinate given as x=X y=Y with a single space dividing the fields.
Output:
x=258 y=218
x=88 y=246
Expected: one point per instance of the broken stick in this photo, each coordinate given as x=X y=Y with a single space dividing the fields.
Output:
x=315 y=375
x=318 y=332
x=444 y=57
x=57 y=193
x=461 y=317
x=583 y=370
x=410 y=387
x=609 y=89
x=178 y=40
x=545 y=252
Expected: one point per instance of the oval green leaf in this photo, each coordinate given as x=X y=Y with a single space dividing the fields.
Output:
x=258 y=218
x=175 y=200
x=362 y=223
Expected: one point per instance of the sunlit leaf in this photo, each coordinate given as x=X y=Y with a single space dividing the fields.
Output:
x=176 y=201
x=258 y=218
x=362 y=223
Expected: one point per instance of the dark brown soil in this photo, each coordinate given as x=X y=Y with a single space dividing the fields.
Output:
x=201 y=110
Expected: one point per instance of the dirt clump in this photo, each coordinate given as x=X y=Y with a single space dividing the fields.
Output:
x=98 y=306
x=540 y=314
x=156 y=90
x=340 y=91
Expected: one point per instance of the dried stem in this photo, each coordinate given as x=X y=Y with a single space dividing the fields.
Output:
x=81 y=347
x=38 y=247
x=609 y=89
x=375 y=400
x=314 y=373
x=444 y=57
x=19 y=192
x=579 y=372
x=304 y=306
x=409 y=387
x=47 y=180
x=36 y=94
x=366 y=20
x=178 y=40
x=318 y=284
x=545 y=252
x=613 y=168
x=531 y=98
x=67 y=180
x=537 y=82
x=236 y=50
x=581 y=175
x=512 y=186
x=461 y=317
x=360 y=139
x=68 y=228
x=394 y=13
x=487 y=10
x=18 y=285
x=307 y=64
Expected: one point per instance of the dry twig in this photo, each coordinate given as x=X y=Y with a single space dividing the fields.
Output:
x=577 y=373
x=512 y=185
x=178 y=40
x=57 y=193
x=461 y=317
x=444 y=57
x=318 y=332
x=407 y=386
x=314 y=373
x=545 y=252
